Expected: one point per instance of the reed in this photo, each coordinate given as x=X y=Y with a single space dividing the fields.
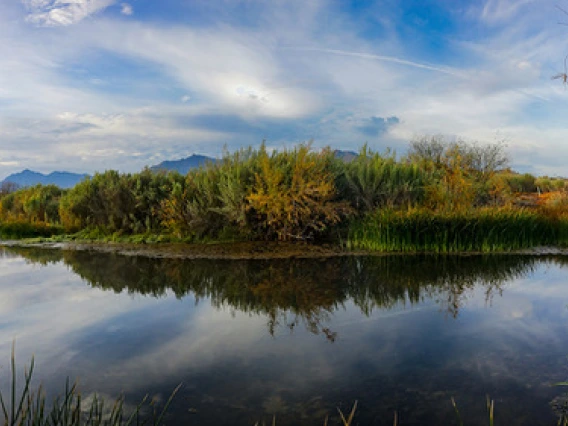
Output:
x=22 y=229
x=29 y=406
x=476 y=230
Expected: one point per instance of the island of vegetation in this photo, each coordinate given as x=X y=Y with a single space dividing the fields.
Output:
x=442 y=197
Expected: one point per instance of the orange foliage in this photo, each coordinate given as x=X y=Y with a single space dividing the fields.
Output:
x=294 y=194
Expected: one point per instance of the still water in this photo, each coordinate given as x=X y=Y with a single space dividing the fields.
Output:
x=295 y=338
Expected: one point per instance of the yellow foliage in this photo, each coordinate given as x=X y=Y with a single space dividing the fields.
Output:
x=553 y=204
x=293 y=195
x=455 y=191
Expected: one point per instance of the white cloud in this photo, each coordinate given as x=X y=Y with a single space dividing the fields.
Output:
x=237 y=69
x=53 y=13
x=97 y=142
x=290 y=69
x=126 y=9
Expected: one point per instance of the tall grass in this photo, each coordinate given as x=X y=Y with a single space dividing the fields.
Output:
x=22 y=229
x=30 y=407
x=26 y=406
x=382 y=202
x=373 y=181
x=478 y=230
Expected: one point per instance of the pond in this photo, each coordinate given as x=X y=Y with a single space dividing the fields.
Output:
x=295 y=338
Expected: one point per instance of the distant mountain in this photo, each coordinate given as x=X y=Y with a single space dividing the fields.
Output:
x=68 y=180
x=31 y=178
x=184 y=165
x=346 y=156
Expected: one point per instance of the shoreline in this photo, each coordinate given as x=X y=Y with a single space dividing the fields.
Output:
x=250 y=250
x=261 y=250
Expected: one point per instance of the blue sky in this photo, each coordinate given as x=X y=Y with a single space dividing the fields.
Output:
x=90 y=85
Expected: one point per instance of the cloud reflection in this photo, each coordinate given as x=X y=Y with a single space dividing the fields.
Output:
x=142 y=325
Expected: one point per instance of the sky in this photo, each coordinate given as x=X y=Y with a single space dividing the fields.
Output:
x=91 y=85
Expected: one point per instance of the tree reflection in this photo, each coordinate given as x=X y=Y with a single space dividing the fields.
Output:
x=308 y=291
x=42 y=256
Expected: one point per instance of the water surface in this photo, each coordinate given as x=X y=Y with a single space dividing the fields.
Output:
x=295 y=338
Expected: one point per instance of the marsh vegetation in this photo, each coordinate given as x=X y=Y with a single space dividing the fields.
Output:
x=440 y=197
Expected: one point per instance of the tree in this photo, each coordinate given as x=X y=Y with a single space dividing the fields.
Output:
x=7 y=188
x=294 y=195
x=465 y=169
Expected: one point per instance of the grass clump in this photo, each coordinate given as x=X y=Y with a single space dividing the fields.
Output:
x=479 y=230
x=441 y=196
x=22 y=229
x=30 y=407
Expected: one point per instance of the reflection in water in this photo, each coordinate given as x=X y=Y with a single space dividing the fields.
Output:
x=390 y=352
x=290 y=292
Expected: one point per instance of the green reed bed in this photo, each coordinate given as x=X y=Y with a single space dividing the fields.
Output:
x=20 y=229
x=481 y=230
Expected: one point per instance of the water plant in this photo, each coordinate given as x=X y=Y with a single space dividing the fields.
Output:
x=440 y=197
x=23 y=229
x=477 y=230
x=30 y=407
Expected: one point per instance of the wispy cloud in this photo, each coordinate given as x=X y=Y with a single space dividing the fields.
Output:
x=495 y=11
x=141 y=90
x=395 y=60
x=51 y=13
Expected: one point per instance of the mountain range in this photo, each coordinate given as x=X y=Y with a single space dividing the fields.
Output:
x=184 y=165
x=31 y=178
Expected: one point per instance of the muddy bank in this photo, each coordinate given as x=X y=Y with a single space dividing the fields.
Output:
x=239 y=250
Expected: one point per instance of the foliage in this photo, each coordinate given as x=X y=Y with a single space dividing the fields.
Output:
x=481 y=230
x=373 y=181
x=129 y=203
x=23 y=229
x=546 y=184
x=521 y=183
x=294 y=195
x=36 y=204
x=188 y=209
x=454 y=189
x=7 y=188
x=254 y=194
x=211 y=201
x=481 y=160
x=463 y=171
x=554 y=205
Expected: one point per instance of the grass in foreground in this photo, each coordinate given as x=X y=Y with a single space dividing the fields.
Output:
x=29 y=407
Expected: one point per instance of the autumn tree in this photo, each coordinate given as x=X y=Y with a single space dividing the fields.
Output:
x=462 y=170
x=36 y=204
x=294 y=194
